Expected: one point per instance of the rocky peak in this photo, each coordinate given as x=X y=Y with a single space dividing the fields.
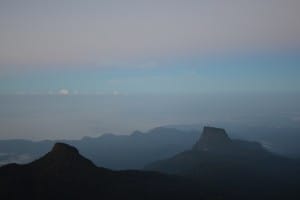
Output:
x=213 y=139
x=63 y=148
x=63 y=157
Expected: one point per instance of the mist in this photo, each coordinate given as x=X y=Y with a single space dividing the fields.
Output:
x=40 y=117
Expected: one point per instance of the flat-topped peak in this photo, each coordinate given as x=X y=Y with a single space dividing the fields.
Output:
x=212 y=133
x=212 y=139
x=211 y=128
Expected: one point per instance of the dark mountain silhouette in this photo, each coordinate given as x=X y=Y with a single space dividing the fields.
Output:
x=138 y=149
x=213 y=139
x=216 y=167
x=64 y=174
x=283 y=140
x=112 y=151
x=61 y=157
x=216 y=141
x=239 y=169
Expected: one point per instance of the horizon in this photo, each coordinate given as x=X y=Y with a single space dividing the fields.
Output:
x=134 y=65
x=39 y=117
x=132 y=86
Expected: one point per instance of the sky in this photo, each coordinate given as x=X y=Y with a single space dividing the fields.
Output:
x=150 y=63
x=149 y=47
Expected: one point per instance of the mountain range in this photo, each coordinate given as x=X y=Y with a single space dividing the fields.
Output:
x=117 y=152
x=134 y=151
x=214 y=167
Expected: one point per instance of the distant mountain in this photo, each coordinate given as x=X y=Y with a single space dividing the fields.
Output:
x=138 y=149
x=213 y=139
x=216 y=167
x=240 y=169
x=281 y=139
x=112 y=151
x=64 y=174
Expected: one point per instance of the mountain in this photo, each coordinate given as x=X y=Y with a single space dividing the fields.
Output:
x=112 y=151
x=64 y=174
x=216 y=167
x=239 y=169
x=213 y=139
x=134 y=151
x=281 y=139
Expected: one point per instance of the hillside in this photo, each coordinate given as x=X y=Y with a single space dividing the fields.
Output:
x=223 y=164
x=64 y=174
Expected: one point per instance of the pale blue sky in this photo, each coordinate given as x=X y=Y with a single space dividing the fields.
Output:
x=273 y=73
x=149 y=47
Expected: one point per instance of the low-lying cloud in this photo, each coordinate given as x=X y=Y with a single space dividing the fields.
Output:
x=6 y=158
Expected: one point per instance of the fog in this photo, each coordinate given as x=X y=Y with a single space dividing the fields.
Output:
x=39 y=117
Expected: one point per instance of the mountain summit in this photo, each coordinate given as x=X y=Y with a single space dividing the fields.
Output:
x=63 y=157
x=216 y=141
x=223 y=163
x=213 y=139
x=63 y=148
x=64 y=174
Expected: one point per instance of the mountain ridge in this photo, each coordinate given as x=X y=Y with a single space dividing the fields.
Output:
x=223 y=164
x=125 y=151
x=64 y=174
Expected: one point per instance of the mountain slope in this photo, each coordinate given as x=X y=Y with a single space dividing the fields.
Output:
x=224 y=164
x=64 y=174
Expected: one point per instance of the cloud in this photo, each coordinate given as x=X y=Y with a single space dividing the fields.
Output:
x=296 y=119
x=116 y=93
x=63 y=92
x=266 y=144
x=6 y=158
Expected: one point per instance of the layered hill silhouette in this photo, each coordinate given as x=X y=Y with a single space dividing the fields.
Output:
x=239 y=169
x=216 y=167
x=111 y=151
x=134 y=151
x=64 y=174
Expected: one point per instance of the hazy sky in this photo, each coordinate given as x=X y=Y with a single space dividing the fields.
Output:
x=157 y=46
x=67 y=117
